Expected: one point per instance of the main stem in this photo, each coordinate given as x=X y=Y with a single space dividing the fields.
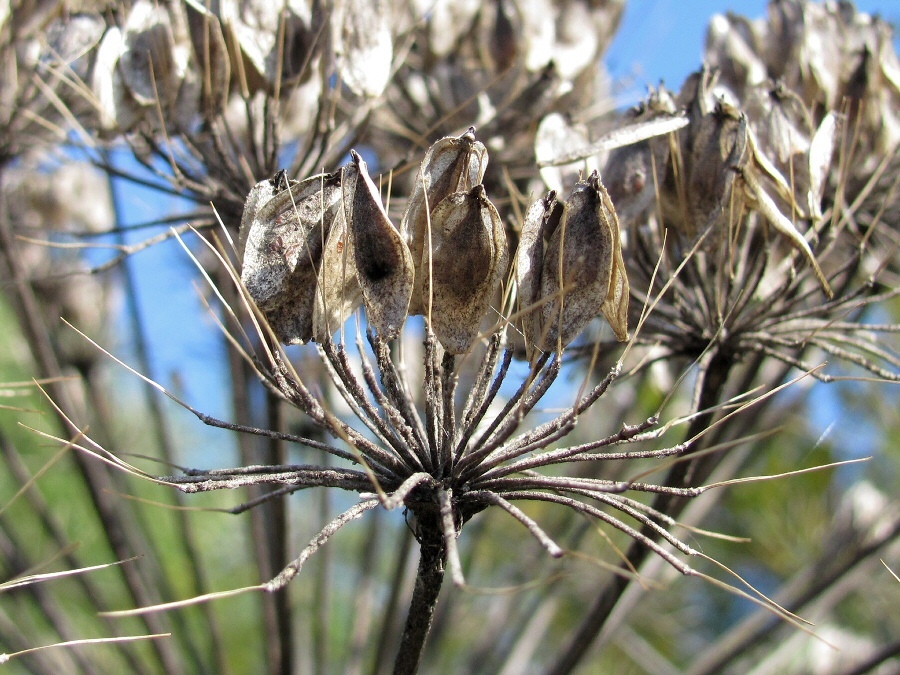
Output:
x=430 y=576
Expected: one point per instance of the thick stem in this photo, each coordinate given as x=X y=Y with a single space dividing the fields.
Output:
x=433 y=555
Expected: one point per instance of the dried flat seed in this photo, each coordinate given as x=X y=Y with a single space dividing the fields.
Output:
x=452 y=164
x=364 y=45
x=578 y=266
x=282 y=234
x=469 y=263
x=383 y=262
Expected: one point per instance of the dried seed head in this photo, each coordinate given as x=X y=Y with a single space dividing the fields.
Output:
x=384 y=264
x=281 y=236
x=468 y=263
x=583 y=272
x=452 y=164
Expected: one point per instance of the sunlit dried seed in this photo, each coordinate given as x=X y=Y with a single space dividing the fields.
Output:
x=582 y=260
x=821 y=151
x=452 y=164
x=469 y=261
x=152 y=65
x=282 y=234
x=383 y=262
x=541 y=221
x=364 y=45
x=211 y=52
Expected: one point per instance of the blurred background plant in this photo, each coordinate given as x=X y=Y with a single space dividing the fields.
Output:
x=757 y=215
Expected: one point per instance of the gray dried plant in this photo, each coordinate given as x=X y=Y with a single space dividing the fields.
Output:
x=729 y=233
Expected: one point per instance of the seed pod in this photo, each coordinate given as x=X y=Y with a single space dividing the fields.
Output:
x=541 y=220
x=468 y=263
x=584 y=273
x=629 y=173
x=211 y=52
x=384 y=264
x=451 y=165
x=720 y=145
x=282 y=234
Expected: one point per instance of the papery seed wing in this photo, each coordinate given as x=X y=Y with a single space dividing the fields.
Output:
x=469 y=262
x=338 y=294
x=821 y=151
x=618 y=138
x=384 y=264
x=780 y=222
x=615 y=307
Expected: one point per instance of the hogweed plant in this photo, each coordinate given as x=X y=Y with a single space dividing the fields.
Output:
x=609 y=316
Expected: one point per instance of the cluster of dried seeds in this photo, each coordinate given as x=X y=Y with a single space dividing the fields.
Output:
x=317 y=250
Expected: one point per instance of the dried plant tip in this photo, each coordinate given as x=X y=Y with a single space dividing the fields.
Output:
x=469 y=263
x=452 y=164
x=383 y=262
x=281 y=237
x=584 y=273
